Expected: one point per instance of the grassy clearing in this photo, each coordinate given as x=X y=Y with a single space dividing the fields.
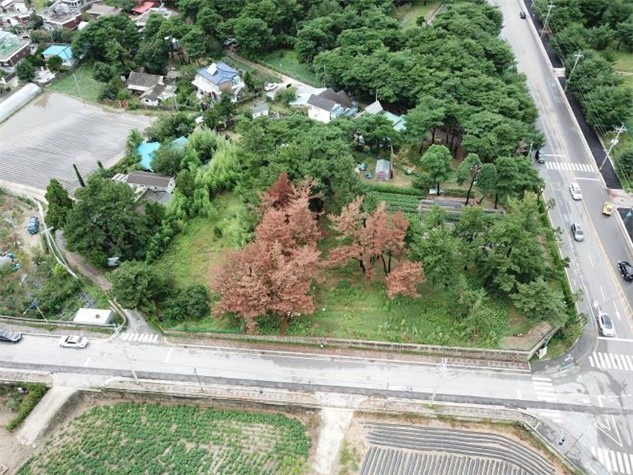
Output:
x=192 y=256
x=409 y=12
x=85 y=87
x=286 y=62
x=624 y=61
x=153 y=438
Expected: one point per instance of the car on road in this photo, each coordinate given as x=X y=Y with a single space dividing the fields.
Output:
x=577 y=232
x=9 y=336
x=71 y=341
x=575 y=191
x=269 y=86
x=34 y=225
x=538 y=156
x=605 y=324
x=231 y=42
x=522 y=15
x=626 y=269
x=607 y=208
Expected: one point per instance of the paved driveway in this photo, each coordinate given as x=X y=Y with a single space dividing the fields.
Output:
x=48 y=136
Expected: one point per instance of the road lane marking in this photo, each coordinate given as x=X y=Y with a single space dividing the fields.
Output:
x=587 y=179
x=604 y=297
x=87 y=362
x=591 y=260
x=612 y=338
x=168 y=355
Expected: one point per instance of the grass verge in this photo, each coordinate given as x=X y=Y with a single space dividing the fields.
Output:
x=79 y=83
x=28 y=400
x=285 y=61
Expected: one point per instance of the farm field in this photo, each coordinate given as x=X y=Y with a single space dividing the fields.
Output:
x=154 y=439
x=79 y=84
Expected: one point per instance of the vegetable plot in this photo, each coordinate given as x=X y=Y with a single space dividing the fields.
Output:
x=129 y=438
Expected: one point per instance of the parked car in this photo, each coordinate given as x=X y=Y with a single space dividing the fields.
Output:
x=575 y=191
x=34 y=225
x=605 y=325
x=626 y=269
x=9 y=336
x=538 y=156
x=70 y=341
x=231 y=42
x=577 y=232
x=607 y=208
x=269 y=86
x=522 y=15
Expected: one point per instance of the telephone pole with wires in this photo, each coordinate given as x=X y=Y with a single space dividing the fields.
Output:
x=579 y=56
x=619 y=131
x=545 y=23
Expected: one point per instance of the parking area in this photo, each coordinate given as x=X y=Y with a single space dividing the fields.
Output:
x=44 y=139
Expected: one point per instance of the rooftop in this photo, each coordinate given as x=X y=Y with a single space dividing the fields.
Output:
x=148 y=179
x=64 y=51
x=218 y=73
x=10 y=44
x=146 y=151
x=142 y=8
x=143 y=79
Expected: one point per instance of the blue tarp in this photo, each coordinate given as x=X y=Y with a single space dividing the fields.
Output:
x=146 y=151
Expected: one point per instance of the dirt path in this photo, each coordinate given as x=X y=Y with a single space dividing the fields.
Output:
x=78 y=262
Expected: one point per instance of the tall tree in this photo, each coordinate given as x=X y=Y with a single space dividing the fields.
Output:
x=469 y=168
x=59 y=204
x=405 y=279
x=436 y=162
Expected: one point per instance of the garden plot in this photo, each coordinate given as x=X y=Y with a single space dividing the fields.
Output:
x=434 y=447
x=155 y=439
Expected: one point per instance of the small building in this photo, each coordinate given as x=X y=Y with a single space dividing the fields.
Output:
x=94 y=316
x=398 y=122
x=98 y=10
x=151 y=181
x=60 y=15
x=142 y=82
x=142 y=8
x=64 y=51
x=260 y=110
x=211 y=81
x=383 y=170
x=158 y=93
x=12 y=49
x=328 y=105
x=14 y=6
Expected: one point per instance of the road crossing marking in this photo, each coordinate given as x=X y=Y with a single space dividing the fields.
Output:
x=140 y=337
x=544 y=389
x=554 y=416
x=576 y=167
x=611 y=361
x=614 y=462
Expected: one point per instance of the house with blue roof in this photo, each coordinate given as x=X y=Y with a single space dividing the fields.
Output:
x=211 y=81
x=64 y=51
x=146 y=150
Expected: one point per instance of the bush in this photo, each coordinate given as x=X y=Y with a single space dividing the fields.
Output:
x=35 y=392
x=399 y=190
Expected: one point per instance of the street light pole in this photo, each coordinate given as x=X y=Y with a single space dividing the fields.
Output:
x=444 y=371
x=549 y=10
x=619 y=131
x=195 y=371
x=579 y=56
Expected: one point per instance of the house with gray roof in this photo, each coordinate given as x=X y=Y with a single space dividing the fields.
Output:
x=328 y=105
x=211 y=81
x=142 y=82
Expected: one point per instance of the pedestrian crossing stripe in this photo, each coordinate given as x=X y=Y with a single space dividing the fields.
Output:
x=576 y=167
x=611 y=361
x=544 y=389
x=614 y=462
x=140 y=337
x=554 y=416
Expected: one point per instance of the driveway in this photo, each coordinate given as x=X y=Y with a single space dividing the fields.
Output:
x=44 y=139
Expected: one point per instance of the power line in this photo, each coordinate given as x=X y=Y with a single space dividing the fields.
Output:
x=619 y=131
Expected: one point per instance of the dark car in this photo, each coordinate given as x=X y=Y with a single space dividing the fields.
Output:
x=9 y=336
x=522 y=15
x=34 y=225
x=626 y=270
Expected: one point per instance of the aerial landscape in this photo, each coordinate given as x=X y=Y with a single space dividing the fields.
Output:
x=328 y=237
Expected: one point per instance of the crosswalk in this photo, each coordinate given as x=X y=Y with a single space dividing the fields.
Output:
x=544 y=389
x=614 y=462
x=140 y=337
x=611 y=361
x=575 y=167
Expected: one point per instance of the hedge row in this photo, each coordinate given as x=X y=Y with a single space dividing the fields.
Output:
x=35 y=392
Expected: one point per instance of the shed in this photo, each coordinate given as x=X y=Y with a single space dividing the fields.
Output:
x=383 y=170
x=259 y=110
x=94 y=316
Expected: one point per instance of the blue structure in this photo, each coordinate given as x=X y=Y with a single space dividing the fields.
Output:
x=146 y=150
x=65 y=52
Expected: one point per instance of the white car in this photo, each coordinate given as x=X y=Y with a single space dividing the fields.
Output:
x=70 y=341
x=269 y=86
x=605 y=325
x=574 y=189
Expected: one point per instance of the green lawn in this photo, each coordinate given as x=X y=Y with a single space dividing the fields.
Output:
x=193 y=253
x=409 y=12
x=286 y=62
x=153 y=438
x=79 y=83
x=624 y=61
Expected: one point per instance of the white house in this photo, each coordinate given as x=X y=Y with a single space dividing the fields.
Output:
x=212 y=81
x=142 y=82
x=328 y=105
x=160 y=92
x=94 y=316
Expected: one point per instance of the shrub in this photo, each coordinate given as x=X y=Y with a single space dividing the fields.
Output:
x=35 y=392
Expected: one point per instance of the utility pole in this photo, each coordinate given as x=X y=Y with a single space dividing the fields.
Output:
x=619 y=131
x=549 y=10
x=579 y=56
